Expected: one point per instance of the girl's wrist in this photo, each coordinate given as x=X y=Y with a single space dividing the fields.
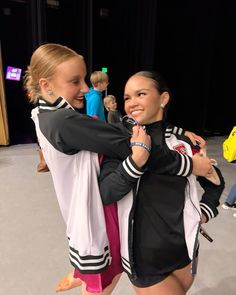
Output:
x=141 y=144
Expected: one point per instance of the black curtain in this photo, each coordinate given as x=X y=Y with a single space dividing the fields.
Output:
x=70 y=24
x=124 y=40
x=16 y=40
x=26 y=25
x=189 y=42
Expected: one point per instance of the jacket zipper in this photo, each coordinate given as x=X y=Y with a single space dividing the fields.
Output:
x=131 y=236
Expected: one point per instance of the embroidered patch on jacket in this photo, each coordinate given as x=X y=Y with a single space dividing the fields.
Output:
x=181 y=149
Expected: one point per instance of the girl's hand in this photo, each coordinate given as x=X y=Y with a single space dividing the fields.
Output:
x=140 y=145
x=202 y=165
x=195 y=139
x=203 y=219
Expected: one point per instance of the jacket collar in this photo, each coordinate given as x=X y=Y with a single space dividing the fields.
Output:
x=59 y=103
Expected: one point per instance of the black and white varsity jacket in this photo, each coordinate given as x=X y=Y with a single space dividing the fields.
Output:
x=119 y=182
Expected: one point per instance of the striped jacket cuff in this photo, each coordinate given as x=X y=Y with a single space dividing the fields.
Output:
x=132 y=169
x=207 y=211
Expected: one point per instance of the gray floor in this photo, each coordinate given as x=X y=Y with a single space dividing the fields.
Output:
x=33 y=247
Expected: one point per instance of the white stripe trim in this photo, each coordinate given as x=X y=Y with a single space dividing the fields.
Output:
x=89 y=267
x=188 y=164
x=95 y=260
x=168 y=132
x=182 y=165
x=48 y=108
x=175 y=129
x=68 y=105
x=126 y=265
x=126 y=269
x=168 y=129
x=133 y=168
x=128 y=170
x=207 y=210
x=42 y=101
x=185 y=161
x=180 y=131
x=61 y=103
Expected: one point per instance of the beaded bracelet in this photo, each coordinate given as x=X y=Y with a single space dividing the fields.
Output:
x=137 y=143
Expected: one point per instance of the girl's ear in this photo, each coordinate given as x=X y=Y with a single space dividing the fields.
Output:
x=165 y=98
x=43 y=83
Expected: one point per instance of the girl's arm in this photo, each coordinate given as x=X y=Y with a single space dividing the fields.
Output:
x=211 y=195
x=71 y=132
x=118 y=178
x=176 y=162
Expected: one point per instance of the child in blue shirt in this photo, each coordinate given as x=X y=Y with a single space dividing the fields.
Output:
x=94 y=101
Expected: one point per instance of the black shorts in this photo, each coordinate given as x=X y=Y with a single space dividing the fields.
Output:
x=147 y=281
x=142 y=280
x=150 y=270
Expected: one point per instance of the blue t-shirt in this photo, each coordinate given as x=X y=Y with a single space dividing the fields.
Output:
x=94 y=104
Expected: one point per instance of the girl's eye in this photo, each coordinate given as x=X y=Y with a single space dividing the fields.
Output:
x=126 y=98
x=141 y=93
x=75 y=81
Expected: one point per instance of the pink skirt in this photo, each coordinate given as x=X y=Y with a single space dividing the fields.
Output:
x=96 y=283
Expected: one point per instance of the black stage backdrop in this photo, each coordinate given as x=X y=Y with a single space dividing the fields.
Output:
x=189 y=42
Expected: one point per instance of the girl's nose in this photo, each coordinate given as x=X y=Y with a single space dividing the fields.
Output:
x=85 y=88
x=133 y=101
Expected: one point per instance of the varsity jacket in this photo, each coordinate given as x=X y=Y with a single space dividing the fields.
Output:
x=121 y=184
x=64 y=135
x=69 y=141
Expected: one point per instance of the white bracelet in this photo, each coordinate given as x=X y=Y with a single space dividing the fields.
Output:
x=137 y=143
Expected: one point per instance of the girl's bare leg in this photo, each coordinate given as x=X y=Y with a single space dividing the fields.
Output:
x=184 y=276
x=107 y=291
x=169 y=286
x=177 y=283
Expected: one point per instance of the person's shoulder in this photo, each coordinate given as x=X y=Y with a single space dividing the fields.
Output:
x=61 y=115
x=90 y=92
x=93 y=93
x=62 y=111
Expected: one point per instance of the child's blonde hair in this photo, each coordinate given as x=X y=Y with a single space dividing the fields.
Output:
x=107 y=99
x=98 y=77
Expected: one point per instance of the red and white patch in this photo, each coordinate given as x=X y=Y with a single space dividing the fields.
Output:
x=181 y=149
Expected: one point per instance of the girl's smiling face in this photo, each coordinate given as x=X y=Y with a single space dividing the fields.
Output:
x=143 y=100
x=68 y=81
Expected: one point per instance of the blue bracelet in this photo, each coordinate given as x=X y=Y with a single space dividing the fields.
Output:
x=137 y=143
